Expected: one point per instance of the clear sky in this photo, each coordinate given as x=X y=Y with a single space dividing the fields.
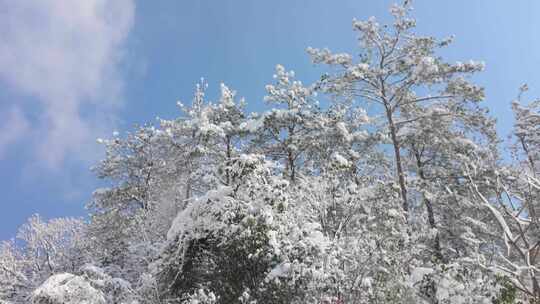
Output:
x=72 y=71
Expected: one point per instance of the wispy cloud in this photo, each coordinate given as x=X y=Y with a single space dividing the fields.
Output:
x=65 y=55
x=14 y=126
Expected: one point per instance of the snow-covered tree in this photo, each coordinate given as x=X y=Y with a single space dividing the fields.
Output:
x=53 y=245
x=400 y=72
x=241 y=241
x=527 y=133
x=512 y=205
x=15 y=285
x=286 y=132
x=42 y=248
x=134 y=212
x=208 y=135
x=392 y=190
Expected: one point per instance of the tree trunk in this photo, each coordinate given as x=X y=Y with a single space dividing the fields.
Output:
x=429 y=207
x=228 y=162
x=291 y=165
x=399 y=168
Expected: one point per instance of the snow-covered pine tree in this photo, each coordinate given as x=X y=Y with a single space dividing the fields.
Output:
x=286 y=132
x=397 y=70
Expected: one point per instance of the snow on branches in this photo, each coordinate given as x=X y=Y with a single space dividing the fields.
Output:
x=380 y=183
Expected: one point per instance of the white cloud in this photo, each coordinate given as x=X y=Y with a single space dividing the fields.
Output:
x=64 y=54
x=14 y=125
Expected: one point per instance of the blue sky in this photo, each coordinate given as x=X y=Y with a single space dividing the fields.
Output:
x=72 y=71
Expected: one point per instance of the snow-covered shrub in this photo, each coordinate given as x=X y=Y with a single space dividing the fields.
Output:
x=92 y=285
x=41 y=249
x=66 y=288
x=239 y=238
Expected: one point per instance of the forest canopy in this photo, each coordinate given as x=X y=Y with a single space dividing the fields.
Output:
x=384 y=181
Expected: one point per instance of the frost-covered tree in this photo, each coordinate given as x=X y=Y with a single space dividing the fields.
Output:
x=513 y=204
x=208 y=135
x=241 y=242
x=437 y=149
x=15 y=284
x=41 y=249
x=286 y=132
x=154 y=172
x=53 y=245
x=527 y=133
x=380 y=183
x=132 y=214
x=428 y=113
x=400 y=72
